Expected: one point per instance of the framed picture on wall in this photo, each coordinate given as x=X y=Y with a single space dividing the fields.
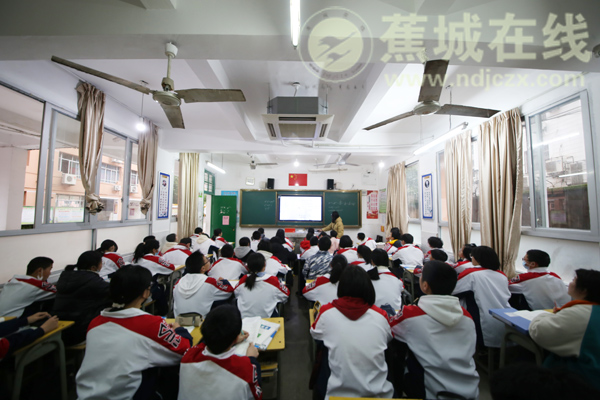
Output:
x=427 y=196
x=164 y=183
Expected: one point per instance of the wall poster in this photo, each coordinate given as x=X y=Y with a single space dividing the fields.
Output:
x=372 y=204
x=427 y=196
x=164 y=182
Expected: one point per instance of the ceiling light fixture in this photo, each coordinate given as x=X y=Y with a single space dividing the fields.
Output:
x=381 y=164
x=141 y=125
x=450 y=134
x=296 y=163
x=213 y=166
x=295 y=21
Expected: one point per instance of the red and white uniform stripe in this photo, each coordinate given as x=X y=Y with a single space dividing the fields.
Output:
x=22 y=291
x=263 y=298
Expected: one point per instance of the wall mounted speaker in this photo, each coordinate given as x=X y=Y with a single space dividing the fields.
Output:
x=329 y=184
x=270 y=183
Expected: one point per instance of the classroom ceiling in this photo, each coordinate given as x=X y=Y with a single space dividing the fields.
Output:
x=246 y=45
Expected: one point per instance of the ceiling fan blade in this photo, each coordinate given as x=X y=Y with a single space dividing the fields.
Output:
x=354 y=165
x=267 y=163
x=174 y=116
x=102 y=75
x=454 y=109
x=433 y=80
x=327 y=165
x=210 y=95
x=389 y=121
x=345 y=157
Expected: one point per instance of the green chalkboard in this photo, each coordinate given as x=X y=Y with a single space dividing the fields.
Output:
x=347 y=204
x=258 y=207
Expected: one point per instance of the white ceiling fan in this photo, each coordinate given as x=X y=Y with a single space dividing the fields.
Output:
x=341 y=161
x=254 y=164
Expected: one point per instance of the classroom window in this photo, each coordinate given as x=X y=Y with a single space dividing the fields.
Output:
x=443 y=205
x=475 y=217
x=175 y=203
x=112 y=181
x=209 y=182
x=412 y=190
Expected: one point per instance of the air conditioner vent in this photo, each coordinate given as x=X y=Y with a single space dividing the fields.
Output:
x=297 y=119
x=271 y=129
x=323 y=130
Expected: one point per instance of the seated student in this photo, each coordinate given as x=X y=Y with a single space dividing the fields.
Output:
x=346 y=249
x=364 y=256
x=408 y=253
x=242 y=251
x=335 y=242
x=394 y=236
x=195 y=237
x=356 y=334
x=196 y=292
x=212 y=370
x=324 y=288
x=81 y=295
x=388 y=287
x=146 y=255
x=259 y=292
x=464 y=257
x=285 y=242
x=12 y=339
x=27 y=294
x=441 y=337
x=206 y=245
x=305 y=244
x=227 y=267
x=125 y=344
x=434 y=243
x=572 y=332
x=367 y=241
x=256 y=237
x=218 y=238
x=481 y=289
x=170 y=241
x=314 y=247
x=280 y=252
x=438 y=255
x=262 y=233
x=149 y=238
x=537 y=289
x=111 y=260
x=274 y=266
x=177 y=254
x=318 y=263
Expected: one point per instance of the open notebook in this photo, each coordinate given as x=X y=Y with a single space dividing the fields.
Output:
x=260 y=332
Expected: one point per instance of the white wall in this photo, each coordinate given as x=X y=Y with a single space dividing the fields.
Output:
x=12 y=180
x=165 y=163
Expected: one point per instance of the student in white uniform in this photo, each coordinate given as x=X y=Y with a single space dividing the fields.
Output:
x=205 y=245
x=256 y=237
x=274 y=266
x=364 y=259
x=367 y=241
x=390 y=246
x=324 y=288
x=218 y=238
x=170 y=242
x=195 y=237
x=434 y=243
x=243 y=251
x=356 y=334
x=538 y=288
x=177 y=254
x=25 y=295
x=388 y=287
x=111 y=260
x=335 y=242
x=441 y=337
x=314 y=248
x=408 y=253
x=464 y=256
x=259 y=292
x=211 y=370
x=481 y=289
x=146 y=255
x=125 y=344
x=227 y=267
x=196 y=292
x=285 y=242
x=347 y=250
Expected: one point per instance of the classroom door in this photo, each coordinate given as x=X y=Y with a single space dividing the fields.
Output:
x=223 y=215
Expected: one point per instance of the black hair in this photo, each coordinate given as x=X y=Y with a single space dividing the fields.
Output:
x=147 y=238
x=264 y=245
x=86 y=261
x=128 y=283
x=144 y=248
x=186 y=241
x=171 y=237
x=440 y=277
x=261 y=230
x=275 y=239
x=345 y=242
x=396 y=234
x=373 y=274
x=314 y=241
x=334 y=215
x=221 y=328
x=407 y=238
x=309 y=235
x=439 y=255
x=311 y=231
x=589 y=280
x=106 y=245
x=245 y=241
x=333 y=233
x=256 y=235
x=540 y=257
x=360 y=236
x=256 y=263
x=227 y=251
x=39 y=262
x=323 y=233
x=486 y=257
x=394 y=229
x=380 y=258
x=216 y=233
x=281 y=235
x=435 y=242
x=365 y=252
x=324 y=243
x=355 y=282
x=198 y=231
x=194 y=263
x=467 y=250
x=338 y=264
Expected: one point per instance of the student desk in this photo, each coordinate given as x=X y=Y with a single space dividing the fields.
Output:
x=517 y=330
x=409 y=275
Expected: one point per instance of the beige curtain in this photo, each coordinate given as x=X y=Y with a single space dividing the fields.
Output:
x=189 y=178
x=91 y=113
x=459 y=189
x=397 y=202
x=501 y=180
x=148 y=144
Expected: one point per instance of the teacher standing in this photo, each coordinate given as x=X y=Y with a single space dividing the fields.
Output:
x=336 y=224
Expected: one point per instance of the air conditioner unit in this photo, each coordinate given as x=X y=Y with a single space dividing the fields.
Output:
x=297 y=118
x=69 y=179
x=117 y=188
x=133 y=188
x=554 y=166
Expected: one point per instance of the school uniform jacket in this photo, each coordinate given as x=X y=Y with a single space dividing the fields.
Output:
x=197 y=293
x=460 y=266
x=370 y=243
x=274 y=266
x=540 y=289
x=195 y=243
x=388 y=289
x=111 y=262
x=204 y=375
x=409 y=254
x=428 y=255
x=156 y=265
x=317 y=265
x=288 y=245
x=120 y=345
x=11 y=340
x=309 y=252
x=356 y=336
x=389 y=246
x=572 y=334
x=349 y=253
x=263 y=298
x=22 y=291
x=227 y=268
x=362 y=263
x=177 y=255
x=254 y=245
x=220 y=242
x=481 y=289
x=321 y=290
x=441 y=335
x=203 y=244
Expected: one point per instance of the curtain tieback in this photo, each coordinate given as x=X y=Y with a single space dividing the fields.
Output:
x=94 y=205
x=145 y=205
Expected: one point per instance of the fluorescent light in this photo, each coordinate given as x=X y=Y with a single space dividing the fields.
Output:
x=381 y=164
x=213 y=166
x=295 y=21
x=450 y=134
x=296 y=163
x=141 y=126
x=576 y=174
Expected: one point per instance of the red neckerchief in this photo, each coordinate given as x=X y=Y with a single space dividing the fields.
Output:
x=577 y=302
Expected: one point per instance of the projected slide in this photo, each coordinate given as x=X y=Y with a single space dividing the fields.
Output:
x=300 y=208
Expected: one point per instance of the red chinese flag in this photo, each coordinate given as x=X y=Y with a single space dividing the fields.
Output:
x=298 y=180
